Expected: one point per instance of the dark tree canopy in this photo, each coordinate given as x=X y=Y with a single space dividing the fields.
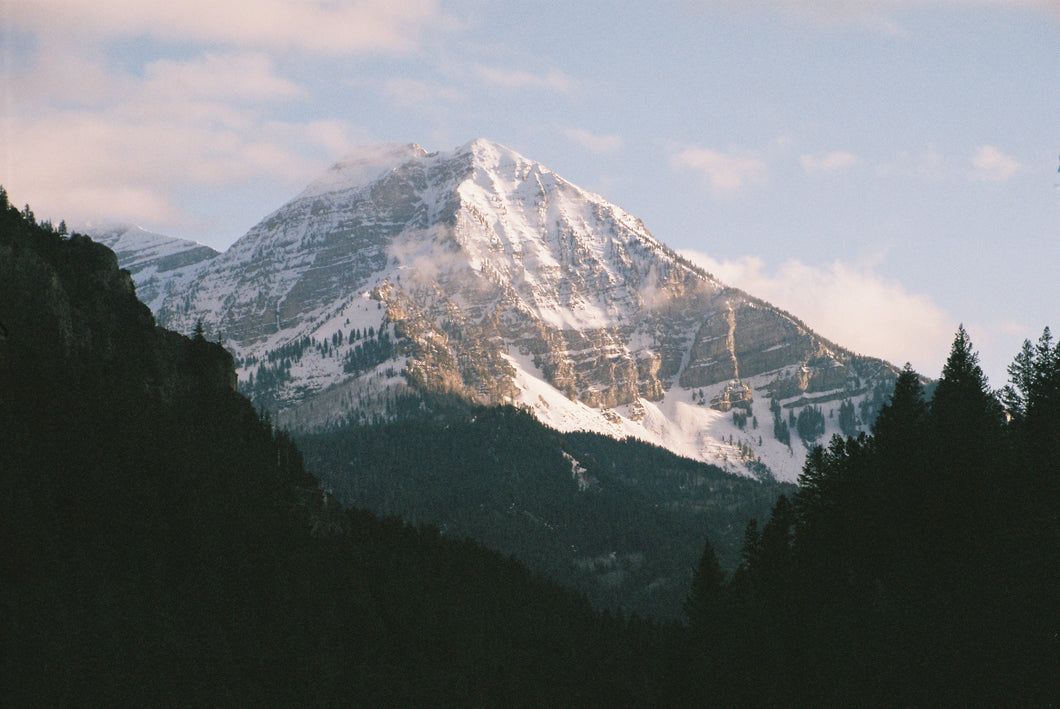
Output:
x=914 y=566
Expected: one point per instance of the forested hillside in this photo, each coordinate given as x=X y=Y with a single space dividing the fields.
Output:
x=918 y=566
x=621 y=521
x=161 y=545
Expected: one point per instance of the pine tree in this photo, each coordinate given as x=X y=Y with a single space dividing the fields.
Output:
x=963 y=411
x=1034 y=379
x=900 y=422
x=966 y=472
x=848 y=423
x=963 y=389
x=704 y=598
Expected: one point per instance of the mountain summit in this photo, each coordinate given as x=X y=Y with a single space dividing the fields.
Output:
x=478 y=273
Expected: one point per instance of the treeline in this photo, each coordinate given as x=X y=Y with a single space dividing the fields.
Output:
x=916 y=566
x=360 y=351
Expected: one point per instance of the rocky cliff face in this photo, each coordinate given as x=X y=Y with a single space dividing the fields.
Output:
x=482 y=274
x=69 y=315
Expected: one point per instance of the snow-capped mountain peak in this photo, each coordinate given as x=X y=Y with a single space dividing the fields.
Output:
x=362 y=167
x=482 y=274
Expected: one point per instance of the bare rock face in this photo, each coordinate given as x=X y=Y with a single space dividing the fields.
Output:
x=481 y=274
x=735 y=395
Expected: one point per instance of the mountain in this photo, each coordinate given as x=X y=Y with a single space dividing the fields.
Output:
x=480 y=274
x=157 y=263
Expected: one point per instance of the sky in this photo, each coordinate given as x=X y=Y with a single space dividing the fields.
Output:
x=885 y=170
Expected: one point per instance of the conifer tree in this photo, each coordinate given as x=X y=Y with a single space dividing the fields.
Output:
x=964 y=413
x=963 y=396
x=900 y=422
x=704 y=598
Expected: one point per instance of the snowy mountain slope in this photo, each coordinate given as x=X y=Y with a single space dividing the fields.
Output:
x=157 y=263
x=482 y=274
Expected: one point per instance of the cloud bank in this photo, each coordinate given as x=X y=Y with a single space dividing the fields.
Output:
x=828 y=162
x=118 y=145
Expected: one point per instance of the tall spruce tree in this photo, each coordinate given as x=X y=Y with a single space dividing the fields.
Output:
x=966 y=422
x=704 y=598
x=900 y=423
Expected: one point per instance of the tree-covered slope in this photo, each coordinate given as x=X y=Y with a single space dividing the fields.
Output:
x=161 y=545
x=918 y=566
x=621 y=521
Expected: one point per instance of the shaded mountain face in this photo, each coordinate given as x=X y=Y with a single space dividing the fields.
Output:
x=480 y=274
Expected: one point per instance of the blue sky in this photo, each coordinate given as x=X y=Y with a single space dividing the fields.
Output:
x=883 y=169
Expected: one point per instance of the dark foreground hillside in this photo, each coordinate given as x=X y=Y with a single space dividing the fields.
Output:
x=160 y=545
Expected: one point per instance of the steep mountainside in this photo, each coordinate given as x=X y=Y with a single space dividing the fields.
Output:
x=157 y=263
x=482 y=274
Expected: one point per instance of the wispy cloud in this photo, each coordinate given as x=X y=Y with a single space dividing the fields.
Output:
x=991 y=165
x=240 y=76
x=127 y=148
x=311 y=25
x=725 y=173
x=553 y=80
x=600 y=144
x=828 y=162
x=851 y=305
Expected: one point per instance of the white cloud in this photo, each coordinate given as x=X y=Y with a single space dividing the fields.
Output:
x=554 y=80
x=311 y=25
x=725 y=173
x=992 y=165
x=242 y=76
x=126 y=148
x=828 y=162
x=850 y=305
x=593 y=143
